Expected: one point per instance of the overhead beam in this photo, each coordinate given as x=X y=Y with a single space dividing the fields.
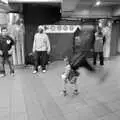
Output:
x=35 y=1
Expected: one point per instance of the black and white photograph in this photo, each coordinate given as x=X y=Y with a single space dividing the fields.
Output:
x=59 y=59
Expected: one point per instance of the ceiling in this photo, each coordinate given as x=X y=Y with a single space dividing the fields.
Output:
x=81 y=8
x=87 y=7
x=71 y=5
x=34 y=1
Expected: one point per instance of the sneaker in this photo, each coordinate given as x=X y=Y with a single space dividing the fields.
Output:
x=34 y=72
x=44 y=71
x=64 y=92
x=2 y=75
x=12 y=74
x=75 y=92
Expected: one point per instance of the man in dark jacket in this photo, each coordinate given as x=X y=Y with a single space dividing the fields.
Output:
x=79 y=57
x=6 y=49
x=99 y=40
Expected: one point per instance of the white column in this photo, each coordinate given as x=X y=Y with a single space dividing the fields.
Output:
x=107 y=33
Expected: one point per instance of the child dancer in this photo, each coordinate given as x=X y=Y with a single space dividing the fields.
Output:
x=71 y=74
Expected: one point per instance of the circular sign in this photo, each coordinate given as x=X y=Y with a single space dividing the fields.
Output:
x=65 y=27
x=52 y=28
x=71 y=27
x=59 y=27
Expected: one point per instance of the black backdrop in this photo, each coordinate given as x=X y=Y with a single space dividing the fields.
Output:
x=38 y=14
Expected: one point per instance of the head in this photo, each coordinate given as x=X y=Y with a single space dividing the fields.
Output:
x=99 y=30
x=40 y=29
x=66 y=59
x=4 y=31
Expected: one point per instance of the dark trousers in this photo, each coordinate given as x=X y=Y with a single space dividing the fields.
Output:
x=40 y=57
x=85 y=64
x=10 y=63
x=79 y=62
x=101 y=57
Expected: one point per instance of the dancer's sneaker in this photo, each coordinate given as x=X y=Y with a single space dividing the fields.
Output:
x=2 y=75
x=64 y=92
x=34 y=72
x=44 y=71
x=75 y=92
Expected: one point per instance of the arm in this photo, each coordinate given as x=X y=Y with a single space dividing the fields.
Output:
x=104 y=40
x=34 y=44
x=0 y=46
x=1 y=52
x=73 y=44
x=48 y=45
x=93 y=41
x=11 y=50
x=12 y=46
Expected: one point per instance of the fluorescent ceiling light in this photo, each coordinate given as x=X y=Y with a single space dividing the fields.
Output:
x=4 y=1
x=98 y=3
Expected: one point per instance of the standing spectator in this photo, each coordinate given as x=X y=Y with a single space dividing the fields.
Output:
x=6 y=50
x=99 y=41
x=41 y=49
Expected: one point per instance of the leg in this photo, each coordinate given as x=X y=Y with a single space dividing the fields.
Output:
x=101 y=58
x=64 y=87
x=2 y=65
x=64 y=81
x=86 y=65
x=10 y=63
x=75 y=86
x=47 y=59
x=94 y=58
x=43 y=60
x=36 y=56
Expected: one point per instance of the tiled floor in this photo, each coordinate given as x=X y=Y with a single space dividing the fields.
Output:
x=38 y=97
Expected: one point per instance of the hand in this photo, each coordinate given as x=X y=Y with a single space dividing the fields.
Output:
x=48 y=52
x=10 y=52
x=1 y=53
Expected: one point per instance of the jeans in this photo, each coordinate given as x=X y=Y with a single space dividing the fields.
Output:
x=40 y=57
x=101 y=57
x=9 y=61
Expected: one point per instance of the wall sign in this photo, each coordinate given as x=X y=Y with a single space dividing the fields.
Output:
x=61 y=28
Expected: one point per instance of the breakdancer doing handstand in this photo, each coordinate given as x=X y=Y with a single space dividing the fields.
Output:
x=71 y=73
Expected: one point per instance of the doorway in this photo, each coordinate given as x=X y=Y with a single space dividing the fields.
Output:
x=38 y=14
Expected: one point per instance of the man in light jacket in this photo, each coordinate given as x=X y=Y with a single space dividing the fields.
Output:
x=41 y=49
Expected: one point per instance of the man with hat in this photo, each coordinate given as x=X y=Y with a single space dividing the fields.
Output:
x=41 y=49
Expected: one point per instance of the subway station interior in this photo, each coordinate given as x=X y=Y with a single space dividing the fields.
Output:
x=71 y=28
